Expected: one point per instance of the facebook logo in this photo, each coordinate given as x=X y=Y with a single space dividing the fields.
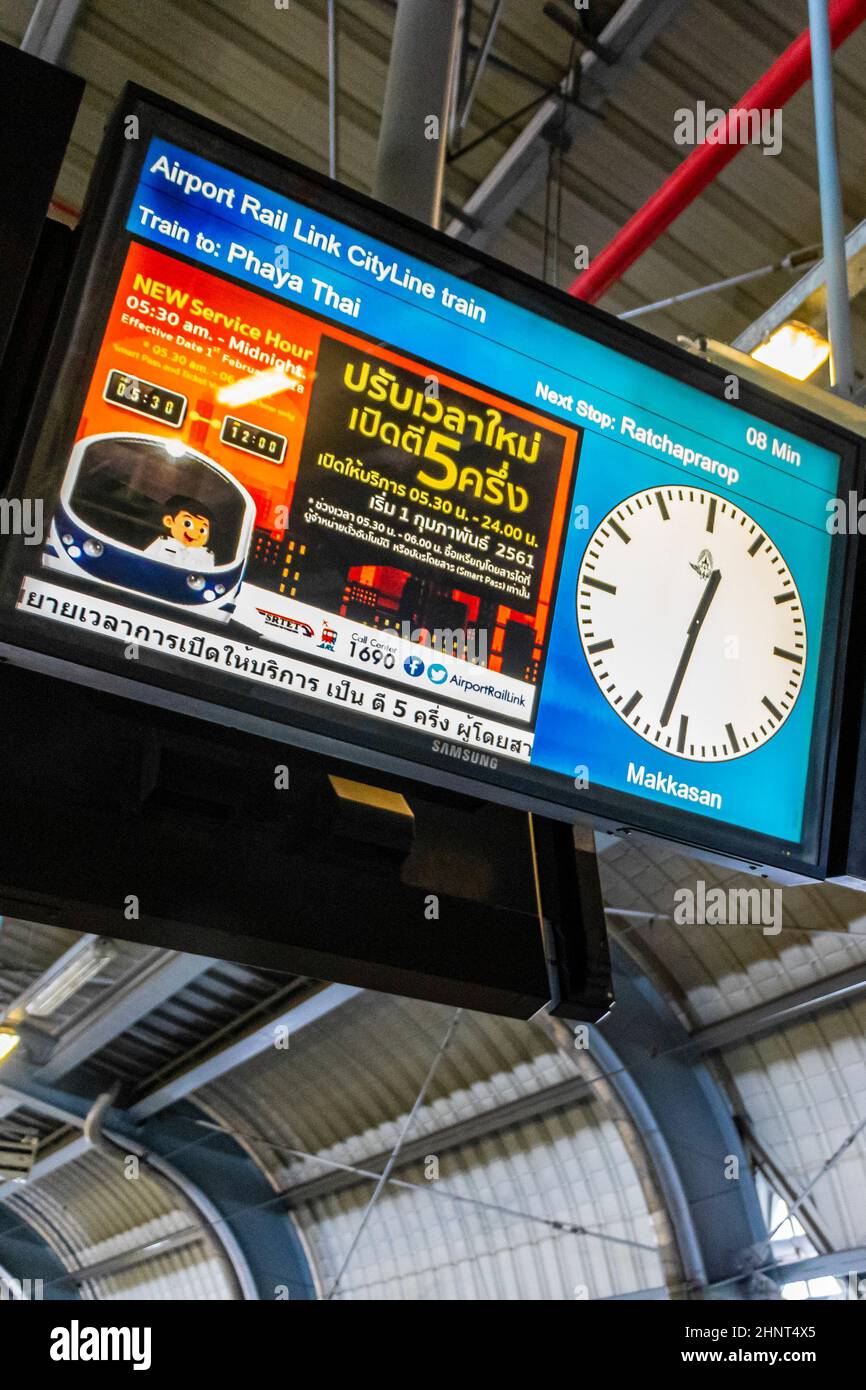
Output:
x=413 y=666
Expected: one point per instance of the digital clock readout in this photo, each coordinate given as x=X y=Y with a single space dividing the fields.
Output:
x=240 y=434
x=145 y=398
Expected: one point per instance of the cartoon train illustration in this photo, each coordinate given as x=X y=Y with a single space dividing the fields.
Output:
x=154 y=517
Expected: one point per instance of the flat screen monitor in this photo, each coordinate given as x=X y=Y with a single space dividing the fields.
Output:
x=303 y=465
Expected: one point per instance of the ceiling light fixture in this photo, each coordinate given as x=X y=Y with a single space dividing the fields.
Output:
x=795 y=349
x=70 y=978
x=9 y=1040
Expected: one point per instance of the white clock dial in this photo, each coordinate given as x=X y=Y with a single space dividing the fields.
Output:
x=691 y=623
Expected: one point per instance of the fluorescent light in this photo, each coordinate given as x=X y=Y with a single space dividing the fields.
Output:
x=9 y=1040
x=255 y=387
x=70 y=978
x=795 y=349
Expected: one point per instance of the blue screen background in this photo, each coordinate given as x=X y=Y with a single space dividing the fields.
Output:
x=511 y=351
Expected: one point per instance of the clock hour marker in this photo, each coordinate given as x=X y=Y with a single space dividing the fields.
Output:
x=756 y=544
x=732 y=737
x=600 y=584
x=604 y=646
x=615 y=526
x=787 y=656
x=662 y=508
x=630 y=704
x=711 y=514
x=777 y=714
x=785 y=598
x=681 y=739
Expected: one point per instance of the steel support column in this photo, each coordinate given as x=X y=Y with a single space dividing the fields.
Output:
x=772 y=90
x=832 y=216
x=249 y=1216
x=410 y=164
x=333 y=92
x=48 y=34
x=687 y=1128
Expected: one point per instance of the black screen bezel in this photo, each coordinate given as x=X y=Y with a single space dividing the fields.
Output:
x=53 y=422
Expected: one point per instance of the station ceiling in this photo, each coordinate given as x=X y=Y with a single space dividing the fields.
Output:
x=794 y=1081
x=262 y=71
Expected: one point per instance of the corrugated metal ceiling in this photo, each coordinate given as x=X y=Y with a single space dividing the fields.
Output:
x=343 y=1091
x=222 y=1003
x=90 y=1211
x=261 y=70
x=718 y=972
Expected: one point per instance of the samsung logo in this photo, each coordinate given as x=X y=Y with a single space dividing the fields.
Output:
x=464 y=755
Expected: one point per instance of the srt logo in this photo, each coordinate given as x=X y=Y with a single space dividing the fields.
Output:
x=704 y=566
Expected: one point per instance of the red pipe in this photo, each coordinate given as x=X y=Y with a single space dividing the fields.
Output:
x=772 y=90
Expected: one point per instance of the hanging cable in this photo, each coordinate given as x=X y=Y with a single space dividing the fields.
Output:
x=431 y=1189
x=386 y=1173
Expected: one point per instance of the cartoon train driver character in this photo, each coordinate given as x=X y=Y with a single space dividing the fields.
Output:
x=188 y=529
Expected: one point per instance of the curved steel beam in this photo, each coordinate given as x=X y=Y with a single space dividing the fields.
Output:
x=682 y=1115
x=26 y=1255
x=251 y=1217
x=217 y=1179
x=667 y=1176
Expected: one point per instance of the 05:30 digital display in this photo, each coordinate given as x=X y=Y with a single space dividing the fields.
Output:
x=146 y=398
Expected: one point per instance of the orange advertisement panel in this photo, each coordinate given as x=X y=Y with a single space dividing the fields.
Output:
x=257 y=467
x=204 y=338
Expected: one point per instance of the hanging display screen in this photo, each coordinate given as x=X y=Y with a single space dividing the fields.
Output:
x=306 y=463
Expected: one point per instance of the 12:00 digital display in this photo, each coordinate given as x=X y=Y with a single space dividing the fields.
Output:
x=253 y=439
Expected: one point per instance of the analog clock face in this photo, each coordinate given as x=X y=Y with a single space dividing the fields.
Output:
x=691 y=623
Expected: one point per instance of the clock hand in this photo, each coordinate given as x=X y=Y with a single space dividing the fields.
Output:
x=694 y=628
